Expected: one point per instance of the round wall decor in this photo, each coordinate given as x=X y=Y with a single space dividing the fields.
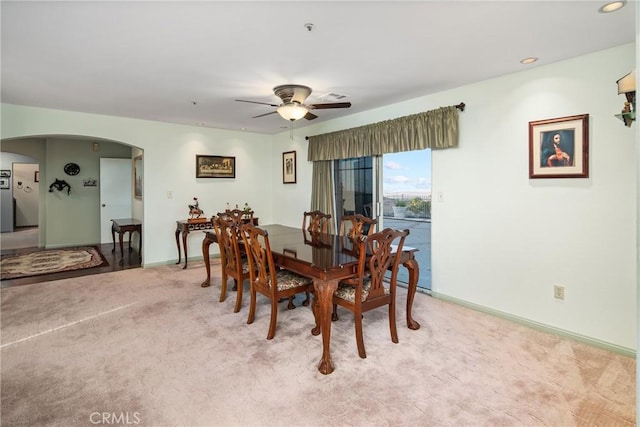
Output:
x=71 y=169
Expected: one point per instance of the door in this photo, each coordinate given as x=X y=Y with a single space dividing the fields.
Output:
x=407 y=183
x=115 y=193
x=361 y=182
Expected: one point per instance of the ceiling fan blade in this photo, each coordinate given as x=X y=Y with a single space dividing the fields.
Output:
x=330 y=105
x=256 y=102
x=310 y=116
x=265 y=114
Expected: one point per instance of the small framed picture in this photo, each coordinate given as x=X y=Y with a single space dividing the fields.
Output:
x=36 y=176
x=5 y=173
x=559 y=148
x=289 y=167
x=4 y=184
x=137 y=177
x=215 y=166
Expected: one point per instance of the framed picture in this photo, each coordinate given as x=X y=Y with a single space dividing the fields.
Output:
x=289 y=167
x=36 y=176
x=137 y=177
x=4 y=183
x=5 y=173
x=90 y=182
x=215 y=167
x=559 y=148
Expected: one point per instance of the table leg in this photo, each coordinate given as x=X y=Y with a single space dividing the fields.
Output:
x=414 y=274
x=140 y=246
x=120 y=233
x=113 y=237
x=184 y=246
x=207 y=263
x=178 y=244
x=322 y=311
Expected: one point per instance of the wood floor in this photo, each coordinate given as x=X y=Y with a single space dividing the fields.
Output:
x=130 y=260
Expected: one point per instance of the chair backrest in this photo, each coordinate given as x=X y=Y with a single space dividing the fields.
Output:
x=227 y=235
x=316 y=222
x=376 y=258
x=238 y=216
x=357 y=224
x=261 y=266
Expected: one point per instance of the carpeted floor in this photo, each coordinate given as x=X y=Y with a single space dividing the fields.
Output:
x=37 y=261
x=151 y=347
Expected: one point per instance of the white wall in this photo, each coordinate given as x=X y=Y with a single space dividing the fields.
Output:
x=500 y=240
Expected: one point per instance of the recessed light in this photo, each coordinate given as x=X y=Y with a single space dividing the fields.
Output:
x=612 y=7
x=529 y=60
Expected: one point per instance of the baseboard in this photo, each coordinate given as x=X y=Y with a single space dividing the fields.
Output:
x=540 y=326
x=175 y=261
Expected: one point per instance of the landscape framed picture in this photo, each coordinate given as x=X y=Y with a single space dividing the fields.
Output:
x=215 y=166
x=289 y=167
x=559 y=148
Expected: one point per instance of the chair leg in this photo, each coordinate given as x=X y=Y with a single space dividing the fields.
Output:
x=392 y=324
x=238 y=298
x=235 y=285
x=223 y=290
x=291 y=305
x=274 y=319
x=334 y=314
x=357 y=317
x=252 y=306
x=307 y=300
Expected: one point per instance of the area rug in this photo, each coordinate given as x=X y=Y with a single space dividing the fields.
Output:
x=49 y=261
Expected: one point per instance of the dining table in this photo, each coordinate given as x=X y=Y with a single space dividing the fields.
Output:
x=327 y=259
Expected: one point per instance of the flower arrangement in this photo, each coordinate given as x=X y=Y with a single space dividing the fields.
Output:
x=247 y=210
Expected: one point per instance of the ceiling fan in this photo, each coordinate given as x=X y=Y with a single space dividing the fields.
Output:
x=293 y=107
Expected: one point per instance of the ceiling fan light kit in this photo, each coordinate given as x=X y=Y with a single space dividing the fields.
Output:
x=292 y=111
x=293 y=107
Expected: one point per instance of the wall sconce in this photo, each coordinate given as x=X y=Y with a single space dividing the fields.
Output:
x=627 y=85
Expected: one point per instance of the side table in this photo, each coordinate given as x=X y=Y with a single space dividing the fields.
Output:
x=184 y=227
x=122 y=226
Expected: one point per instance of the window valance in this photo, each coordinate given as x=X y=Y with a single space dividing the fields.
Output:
x=431 y=129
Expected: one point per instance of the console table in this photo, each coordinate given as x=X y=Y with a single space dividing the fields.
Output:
x=122 y=226
x=184 y=227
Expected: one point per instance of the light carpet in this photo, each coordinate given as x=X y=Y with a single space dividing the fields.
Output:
x=151 y=347
x=38 y=262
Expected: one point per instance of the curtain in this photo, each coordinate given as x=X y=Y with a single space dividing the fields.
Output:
x=431 y=129
x=322 y=189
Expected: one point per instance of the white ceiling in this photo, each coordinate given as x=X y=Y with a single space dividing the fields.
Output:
x=152 y=60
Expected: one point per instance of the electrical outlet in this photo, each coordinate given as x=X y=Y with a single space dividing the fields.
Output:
x=169 y=194
x=558 y=292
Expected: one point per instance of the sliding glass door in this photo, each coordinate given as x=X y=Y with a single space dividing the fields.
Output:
x=395 y=189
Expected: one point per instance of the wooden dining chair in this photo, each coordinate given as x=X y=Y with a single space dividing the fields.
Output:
x=316 y=222
x=367 y=289
x=234 y=265
x=356 y=225
x=238 y=216
x=266 y=278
